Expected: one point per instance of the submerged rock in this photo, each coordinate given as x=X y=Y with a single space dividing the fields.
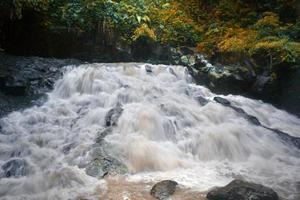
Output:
x=15 y=168
x=148 y=68
x=284 y=137
x=201 y=100
x=163 y=189
x=112 y=116
x=242 y=190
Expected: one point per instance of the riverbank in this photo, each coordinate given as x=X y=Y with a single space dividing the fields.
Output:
x=24 y=80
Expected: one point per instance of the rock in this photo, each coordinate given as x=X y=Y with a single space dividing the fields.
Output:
x=253 y=120
x=104 y=164
x=67 y=148
x=242 y=190
x=201 y=100
x=222 y=101
x=163 y=189
x=143 y=48
x=112 y=116
x=286 y=138
x=15 y=168
x=25 y=80
x=148 y=69
x=188 y=60
x=186 y=50
x=171 y=70
x=184 y=60
x=260 y=83
x=15 y=86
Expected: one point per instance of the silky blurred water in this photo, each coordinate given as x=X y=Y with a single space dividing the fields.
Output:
x=163 y=133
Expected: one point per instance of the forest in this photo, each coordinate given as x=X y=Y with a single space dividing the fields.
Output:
x=267 y=30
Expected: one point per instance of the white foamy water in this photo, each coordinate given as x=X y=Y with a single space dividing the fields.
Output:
x=163 y=133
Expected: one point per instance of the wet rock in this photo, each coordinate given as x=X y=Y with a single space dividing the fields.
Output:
x=105 y=165
x=286 y=138
x=201 y=100
x=148 y=69
x=25 y=80
x=163 y=189
x=222 y=101
x=15 y=168
x=67 y=148
x=188 y=60
x=186 y=50
x=15 y=86
x=184 y=60
x=250 y=118
x=112 y=116
x=242 y=190
x=260 y=83
x=253 y=120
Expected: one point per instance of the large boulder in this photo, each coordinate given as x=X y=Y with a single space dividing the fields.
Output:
x=163 y=189
x=103 y=166
x=103 y=163
x=242 y=190
x=24 y=80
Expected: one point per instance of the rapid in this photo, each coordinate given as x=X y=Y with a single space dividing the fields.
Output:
x=161 y=131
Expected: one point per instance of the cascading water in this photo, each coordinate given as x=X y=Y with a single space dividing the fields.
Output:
x=160 y=132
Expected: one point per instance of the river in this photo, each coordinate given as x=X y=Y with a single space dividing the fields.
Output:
x=157 y=129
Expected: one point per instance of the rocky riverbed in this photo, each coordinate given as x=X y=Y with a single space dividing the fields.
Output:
x=111 y=130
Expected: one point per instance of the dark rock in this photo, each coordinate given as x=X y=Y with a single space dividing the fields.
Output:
x=260 y=83
x=250 y=118
x=286 y=138
x=222 y=101
x=242 y=190
x=253 y=120
x=163 y=189
x=15 y=168
x=186 y=50
x=171 y=70
x=239 y=110
x=113 y=115
x=23 y=81
x=143 y=48
x=67 y=148
x=15 y=86
x=200 y=63
x=201 y=100
x=148 y=68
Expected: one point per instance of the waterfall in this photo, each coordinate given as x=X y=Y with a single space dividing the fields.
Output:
x=149 y=122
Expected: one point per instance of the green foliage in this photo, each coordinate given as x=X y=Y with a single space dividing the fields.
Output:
x=268 y=28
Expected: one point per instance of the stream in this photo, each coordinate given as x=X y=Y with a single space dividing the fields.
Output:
x=145 y=123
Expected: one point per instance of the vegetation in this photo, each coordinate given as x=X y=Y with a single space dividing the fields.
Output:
x=269 y=29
